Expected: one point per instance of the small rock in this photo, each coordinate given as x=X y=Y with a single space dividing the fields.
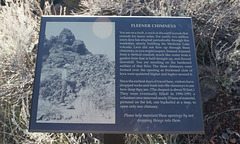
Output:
x=67 y=37
x=229 y=102
x=233 y=140
x=79 y=47
x=232 y=107
x=236 y=97
x=229 y=131
x=225 y=136
x=209 y=88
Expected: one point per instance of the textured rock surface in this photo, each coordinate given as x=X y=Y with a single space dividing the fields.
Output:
x=67 y=37
x=209 y=88
x=74 y=82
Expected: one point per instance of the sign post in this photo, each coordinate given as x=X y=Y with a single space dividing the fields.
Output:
x=114 y=139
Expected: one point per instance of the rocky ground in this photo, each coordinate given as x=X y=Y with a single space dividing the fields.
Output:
x=221 y=113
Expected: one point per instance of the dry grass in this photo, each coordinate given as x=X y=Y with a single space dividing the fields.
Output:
x=216 y=27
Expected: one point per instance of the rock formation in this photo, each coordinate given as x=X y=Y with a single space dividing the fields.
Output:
x=69 y=73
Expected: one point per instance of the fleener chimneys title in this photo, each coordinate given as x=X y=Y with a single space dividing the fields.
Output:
x=153 y=25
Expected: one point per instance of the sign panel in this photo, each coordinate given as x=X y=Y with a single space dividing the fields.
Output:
x=116 y=75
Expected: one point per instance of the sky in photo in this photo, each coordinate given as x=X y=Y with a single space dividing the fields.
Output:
x=99 y=37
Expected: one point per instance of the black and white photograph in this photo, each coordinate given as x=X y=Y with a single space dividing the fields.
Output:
x=77 y=81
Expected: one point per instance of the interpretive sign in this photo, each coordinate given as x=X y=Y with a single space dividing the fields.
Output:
x=116 y=75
